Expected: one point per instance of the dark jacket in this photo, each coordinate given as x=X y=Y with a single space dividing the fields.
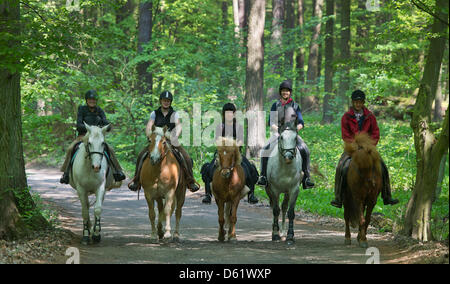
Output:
x=161 y=120
x=96 y=117
x=278 y=107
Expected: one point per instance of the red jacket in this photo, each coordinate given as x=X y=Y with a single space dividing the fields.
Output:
x=349 y=125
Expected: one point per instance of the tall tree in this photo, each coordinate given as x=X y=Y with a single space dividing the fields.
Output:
x=329 y=49
x=145 y=77
x=344 y=77
x=429 y=149
x=255 y=76
x=308 y=100
x=13 y=182
x=289 y=22
x=276 y=39
x=300 y=55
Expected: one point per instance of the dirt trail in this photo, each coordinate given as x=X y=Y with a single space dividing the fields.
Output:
x=126 y=232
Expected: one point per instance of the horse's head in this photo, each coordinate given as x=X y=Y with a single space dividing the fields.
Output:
x=157 y=139
x=287 y=142
x=228 y=155
x=94 y=142
x=364 y=153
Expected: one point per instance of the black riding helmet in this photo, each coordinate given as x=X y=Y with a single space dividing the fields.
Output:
x=285 y=85
x=358 y=95
x=91 y=94
x=166 y=95
x=228 y=107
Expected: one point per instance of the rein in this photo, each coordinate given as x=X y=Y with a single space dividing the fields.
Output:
x=89 y=153
x=283 y=151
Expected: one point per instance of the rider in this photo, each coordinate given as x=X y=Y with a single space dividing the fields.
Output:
x=91 y=114
x=280 y=107
x=165 y=115
x=230 y=128
x=359 y=119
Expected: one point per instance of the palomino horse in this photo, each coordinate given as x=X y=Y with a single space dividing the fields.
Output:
x=164 y=182
x=284 y=174
x=228 y=185
x=364 y=181
x=91 y=175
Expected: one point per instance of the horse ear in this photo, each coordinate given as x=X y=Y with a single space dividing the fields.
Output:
x=105 y=129
x=88 y=128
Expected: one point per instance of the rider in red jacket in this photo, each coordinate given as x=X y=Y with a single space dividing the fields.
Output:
x=359 y=119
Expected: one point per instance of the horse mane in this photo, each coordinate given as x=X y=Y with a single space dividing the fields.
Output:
x=224 y=143
x=367 y=158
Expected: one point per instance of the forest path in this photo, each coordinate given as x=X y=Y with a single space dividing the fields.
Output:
x=126 y=232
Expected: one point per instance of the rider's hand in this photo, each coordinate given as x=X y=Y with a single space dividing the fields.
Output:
x=274 y=128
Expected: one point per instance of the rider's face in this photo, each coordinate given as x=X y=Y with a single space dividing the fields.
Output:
x=285 y=94
x=165 y=103
x=229 y=115
x=358 y=105
x=91 y=102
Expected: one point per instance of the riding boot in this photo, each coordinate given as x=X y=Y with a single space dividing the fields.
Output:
x=134 y=185
x=251 y=196
x=262 y=180
x=386 y=189
x=306 y=162
x=115 y=166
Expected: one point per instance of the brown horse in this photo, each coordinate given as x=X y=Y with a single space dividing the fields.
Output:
x=364 y=182
x=228 y=185
x=163 y=181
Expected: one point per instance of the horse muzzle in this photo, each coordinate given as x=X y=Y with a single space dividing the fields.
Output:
x=96 y=168
x=225 y=173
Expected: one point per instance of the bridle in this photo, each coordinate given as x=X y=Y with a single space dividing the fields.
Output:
x=230 y=168
x=167 y=146
x=283 y=151
x=89 y=153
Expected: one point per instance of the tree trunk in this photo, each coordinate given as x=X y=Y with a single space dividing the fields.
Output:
x=308 y=101
x=13 y=181
x=290 y=25
x=344 y=78
x=276 y=39
x=145 y=78
x=255 y=75
x=329 y=42
x=429 y=150
x=300 y=58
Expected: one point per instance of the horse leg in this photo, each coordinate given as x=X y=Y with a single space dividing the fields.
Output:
x=220 y=211
x=160 y=217
x=348 y=237
x=84 y=200
x=362 y=224
x=151 y=214
x=233 y=220
x=363 y=242
x=276 y=213
x=291 y=216
x=100 y=196
x=170 y=197
x=284 y=207
x=178 y=213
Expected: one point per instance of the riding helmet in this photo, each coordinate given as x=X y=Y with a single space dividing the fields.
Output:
x=166 y=95
x=91 y=94
x=286 y=84
x=358 y=95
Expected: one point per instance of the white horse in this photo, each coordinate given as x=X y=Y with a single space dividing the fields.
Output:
x=284 y=173
x=90 y=175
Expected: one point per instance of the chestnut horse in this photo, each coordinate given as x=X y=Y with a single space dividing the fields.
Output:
x=163 y=181
x=364 y=182
x=228 y=185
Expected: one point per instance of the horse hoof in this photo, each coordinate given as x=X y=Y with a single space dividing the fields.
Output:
x=233 y=240
x=96 y=239
x=290 y=239
x=276 y=238
x=363 y=244
x=348 y=242
x=85 y=241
